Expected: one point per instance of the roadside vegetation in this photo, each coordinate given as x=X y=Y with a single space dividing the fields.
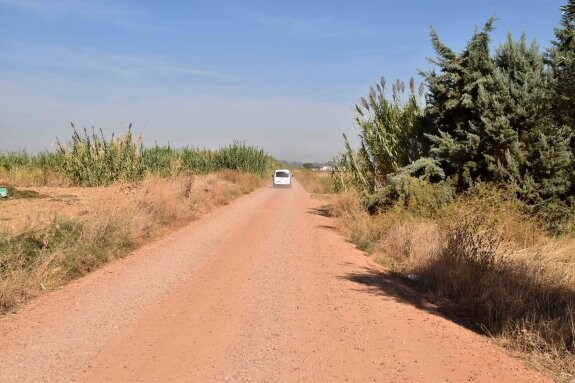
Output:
x=314 y=182
x=92 y=159
x=465 y=185
x=160 y=188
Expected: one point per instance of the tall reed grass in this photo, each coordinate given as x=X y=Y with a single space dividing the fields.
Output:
x=164 y=160
x=92 y=159
x=23 y=168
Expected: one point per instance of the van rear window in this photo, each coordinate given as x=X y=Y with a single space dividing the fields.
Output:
x=282 y=174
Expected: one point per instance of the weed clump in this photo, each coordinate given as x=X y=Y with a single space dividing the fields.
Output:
x=413 y=194
x=93 y=160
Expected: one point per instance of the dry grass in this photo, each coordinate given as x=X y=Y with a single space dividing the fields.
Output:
x=487 y=262
x=314 y=182
x=407 y=245
x=31 y=176
x=524 y=295
x=396 y=238
x=48 y=256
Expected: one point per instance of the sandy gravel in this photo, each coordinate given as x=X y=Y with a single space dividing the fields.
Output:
x=262 y=290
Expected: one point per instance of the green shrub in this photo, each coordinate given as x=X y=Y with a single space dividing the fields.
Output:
x=417 y=196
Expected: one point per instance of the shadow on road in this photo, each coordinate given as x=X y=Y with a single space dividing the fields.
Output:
x=324 y=211
x=391 y=286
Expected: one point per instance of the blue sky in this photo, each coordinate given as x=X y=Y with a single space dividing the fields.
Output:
x=282 y=75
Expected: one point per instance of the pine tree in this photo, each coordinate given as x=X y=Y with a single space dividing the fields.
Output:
x=491 y=119
x=457 y=100
x=562 y=60
x=540 y=168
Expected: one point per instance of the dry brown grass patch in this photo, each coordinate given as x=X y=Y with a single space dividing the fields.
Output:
x=47 y=255
x=314 y=182
x=407 y=245
x=486 y=261
x=31 y=176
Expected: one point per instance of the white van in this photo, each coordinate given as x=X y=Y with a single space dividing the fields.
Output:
x=282 y=178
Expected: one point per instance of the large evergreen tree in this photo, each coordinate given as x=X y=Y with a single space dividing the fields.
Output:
x=506 y=118
x=562 y=60
x=491 y=118
x=453 y=106
x=539 y=163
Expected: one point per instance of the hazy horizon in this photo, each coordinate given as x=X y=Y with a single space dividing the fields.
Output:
x=281 y=76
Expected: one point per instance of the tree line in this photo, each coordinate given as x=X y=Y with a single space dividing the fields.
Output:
x=506 y=117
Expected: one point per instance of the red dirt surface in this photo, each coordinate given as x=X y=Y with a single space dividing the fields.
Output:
x=262 y=290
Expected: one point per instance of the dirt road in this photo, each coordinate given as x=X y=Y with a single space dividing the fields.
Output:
x=262 y=290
